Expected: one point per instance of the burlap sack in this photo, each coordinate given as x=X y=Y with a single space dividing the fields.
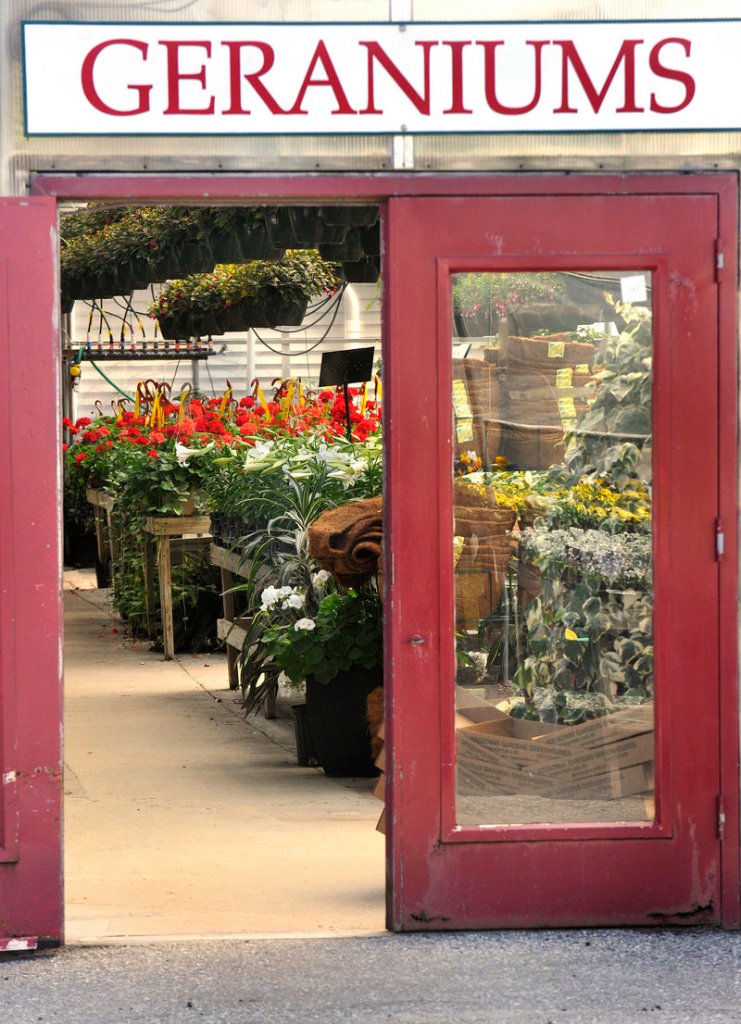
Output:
x=346 y=541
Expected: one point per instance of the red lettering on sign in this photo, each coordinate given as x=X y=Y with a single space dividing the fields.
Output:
x=654 y=62
x=570 y=56
x=456 y=76
x=376 y=53
x=87 y=77
x=490 y=76
x=175 y=76
x=332 y=80
x=252 y=77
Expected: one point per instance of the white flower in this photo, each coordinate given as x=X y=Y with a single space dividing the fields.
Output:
x=294 y=601
x=183 y=453
x=318 y=579
x=272 y=595
x=307 y=624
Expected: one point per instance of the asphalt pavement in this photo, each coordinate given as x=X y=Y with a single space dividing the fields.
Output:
x=547 y=977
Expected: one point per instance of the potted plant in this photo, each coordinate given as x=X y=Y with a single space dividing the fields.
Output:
x=338 y=652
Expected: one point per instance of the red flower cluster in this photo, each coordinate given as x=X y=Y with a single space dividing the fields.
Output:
x=223 y=421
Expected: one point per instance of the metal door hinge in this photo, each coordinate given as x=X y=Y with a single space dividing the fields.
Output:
x=720 y=540
x=720 y=259
x=721 y=821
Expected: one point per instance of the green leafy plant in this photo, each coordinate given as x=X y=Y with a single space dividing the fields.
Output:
x=300 y=275
x=612 y=440
x=345 y=630
x=589 y=630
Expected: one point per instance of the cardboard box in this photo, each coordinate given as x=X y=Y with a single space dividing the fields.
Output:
x=608 y=758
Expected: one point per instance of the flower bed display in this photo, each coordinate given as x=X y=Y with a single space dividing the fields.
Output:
x=231 y=457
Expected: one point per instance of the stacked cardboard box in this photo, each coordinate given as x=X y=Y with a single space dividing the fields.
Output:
x=608 y=758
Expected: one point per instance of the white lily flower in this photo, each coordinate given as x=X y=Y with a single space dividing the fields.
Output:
x=183 y=453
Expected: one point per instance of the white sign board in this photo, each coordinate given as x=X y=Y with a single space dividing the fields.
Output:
x=310 y=79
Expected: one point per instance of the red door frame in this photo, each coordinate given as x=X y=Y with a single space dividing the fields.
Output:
x=30 y=606
x=378 y=188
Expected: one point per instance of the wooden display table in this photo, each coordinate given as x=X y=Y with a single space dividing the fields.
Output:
x=161 y=535
x=106 y=538
x=231 y=629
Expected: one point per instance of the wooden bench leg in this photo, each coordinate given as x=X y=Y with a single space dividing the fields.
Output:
x=149 y=595
x=164 y=570
x=227 y=582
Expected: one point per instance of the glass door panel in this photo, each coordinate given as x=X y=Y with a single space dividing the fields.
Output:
x=552 y=548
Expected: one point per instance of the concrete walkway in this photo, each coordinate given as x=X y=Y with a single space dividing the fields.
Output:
x=689 y=976
x=184 y=819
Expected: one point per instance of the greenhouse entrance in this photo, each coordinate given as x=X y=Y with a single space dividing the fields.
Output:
x=559 y=547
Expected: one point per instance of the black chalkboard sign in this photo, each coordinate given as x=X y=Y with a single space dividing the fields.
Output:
x=352 y=366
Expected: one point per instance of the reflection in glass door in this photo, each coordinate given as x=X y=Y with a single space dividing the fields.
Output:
x=553 y=547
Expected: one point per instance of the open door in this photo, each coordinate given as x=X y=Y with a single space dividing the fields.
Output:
x=559 y=562
x=30 y=619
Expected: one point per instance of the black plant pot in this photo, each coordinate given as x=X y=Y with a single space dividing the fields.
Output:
x=307 y=226
x=364 y=271
x=226 y=247
x=337 y=713
x=255 y=243
x=305 y=753
x=196 y=324
x=195 y=257
x=370 y=238
x=279 y=308
x=280 y=228
x=351 y=216
x=350 y=248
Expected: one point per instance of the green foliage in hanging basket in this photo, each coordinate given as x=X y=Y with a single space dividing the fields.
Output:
x=491 y=296
x=112 y=250
x=245 y=294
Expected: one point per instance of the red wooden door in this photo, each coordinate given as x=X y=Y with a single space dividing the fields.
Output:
x=511 y=804
x=30 y=620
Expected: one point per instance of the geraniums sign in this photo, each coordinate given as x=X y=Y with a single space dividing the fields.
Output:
x=233 y=79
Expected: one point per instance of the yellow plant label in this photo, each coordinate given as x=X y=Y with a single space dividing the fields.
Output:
x=556 y=349
x=566 y=409
x=463 y=414
x=564 y=378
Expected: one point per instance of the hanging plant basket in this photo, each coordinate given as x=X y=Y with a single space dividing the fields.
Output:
x=227 y=248
x=256 y=244
x=183 y=325
x=363 y=271
x=277 y=307
x=307 y=226
x=195 y=257
x=350 y=216
x=350 y=249
x=280 y=228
